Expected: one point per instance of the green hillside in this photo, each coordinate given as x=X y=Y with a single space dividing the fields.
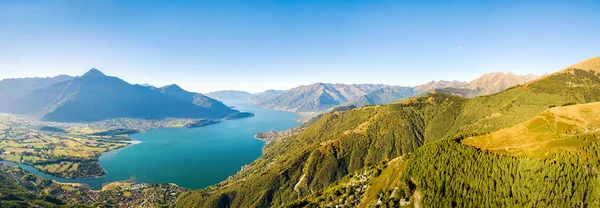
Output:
x=342 y=143
x=12 y=194
x=337 y=144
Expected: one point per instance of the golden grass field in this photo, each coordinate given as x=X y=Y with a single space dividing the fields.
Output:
x=553 y=131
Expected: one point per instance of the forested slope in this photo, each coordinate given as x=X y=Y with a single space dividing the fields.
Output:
x=449 y=174
x=12 y=194
x=337 y=144
x=342 y=143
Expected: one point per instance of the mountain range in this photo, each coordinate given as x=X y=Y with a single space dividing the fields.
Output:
x=243 y=95
x=230 y=95
x=12 y=90
x=485 y=85
x=320 y=97
x=195 y=98
x=317 y=97
x=95 y=96
x=531 y=145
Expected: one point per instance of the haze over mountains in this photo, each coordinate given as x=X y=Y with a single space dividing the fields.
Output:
x=14 y=89
x=243 y=95
x=382 y=96
x=317 y=97
x=95 y=96
x=258 y=97
x=230 y=95
x=485 y=85
x=320 y=97
x=196 y=98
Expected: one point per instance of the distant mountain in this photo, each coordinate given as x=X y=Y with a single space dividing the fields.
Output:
x=195 y=98
x=495 y=82
x=461 y=92
x=383 y=96
x=317 y=97
x=262 y=96
x=95 y=96
x=12 y=90
x=439 y=85
x=230 y=95
x=485 y=85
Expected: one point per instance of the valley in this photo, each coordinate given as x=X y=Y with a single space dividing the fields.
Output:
x=70 y=150
x=299 y=104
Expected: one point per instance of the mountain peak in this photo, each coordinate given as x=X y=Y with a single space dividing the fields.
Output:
x=172 y=86
x=94 y=73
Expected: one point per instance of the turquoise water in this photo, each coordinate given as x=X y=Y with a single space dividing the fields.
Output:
x=191 y=158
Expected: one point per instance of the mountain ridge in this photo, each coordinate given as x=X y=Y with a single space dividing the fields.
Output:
x=12 y=89
x=95 y=96
x=230 y=95
x=319 y=97
x=198 y=99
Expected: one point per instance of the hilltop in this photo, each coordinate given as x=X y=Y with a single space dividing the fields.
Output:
x=592 y=64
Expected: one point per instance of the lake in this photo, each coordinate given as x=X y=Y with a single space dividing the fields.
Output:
x=191 y=158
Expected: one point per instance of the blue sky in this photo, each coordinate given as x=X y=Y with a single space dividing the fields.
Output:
x=212 y=45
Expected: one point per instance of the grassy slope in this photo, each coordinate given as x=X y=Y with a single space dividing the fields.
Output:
x=553 y=131
x=342 y=143
x=388 y=180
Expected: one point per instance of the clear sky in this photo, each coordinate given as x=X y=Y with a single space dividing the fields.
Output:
x=207 y=46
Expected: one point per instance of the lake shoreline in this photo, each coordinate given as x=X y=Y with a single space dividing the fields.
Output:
x=182 y=152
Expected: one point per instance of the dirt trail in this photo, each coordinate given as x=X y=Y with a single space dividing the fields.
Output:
x=418 y=197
